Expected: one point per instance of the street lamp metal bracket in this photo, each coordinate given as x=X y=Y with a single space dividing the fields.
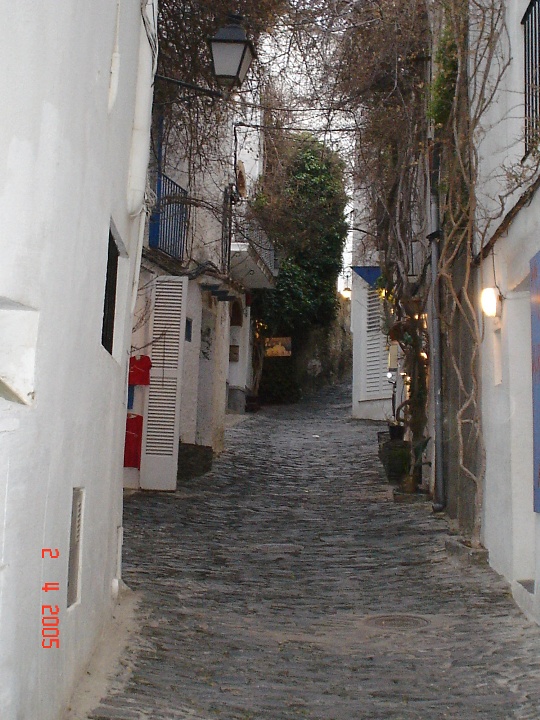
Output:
x=191 y=86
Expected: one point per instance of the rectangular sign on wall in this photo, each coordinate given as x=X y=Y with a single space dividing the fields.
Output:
x=278 y=347
x=535 y=333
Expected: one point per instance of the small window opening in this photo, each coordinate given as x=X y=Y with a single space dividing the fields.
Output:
x=109 y=306
x=237 y=315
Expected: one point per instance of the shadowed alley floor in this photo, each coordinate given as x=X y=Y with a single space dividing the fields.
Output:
x=285 y=584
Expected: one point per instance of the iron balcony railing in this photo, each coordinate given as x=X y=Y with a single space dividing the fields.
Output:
x=251 y=232
x=531 y=28
x=169 y=221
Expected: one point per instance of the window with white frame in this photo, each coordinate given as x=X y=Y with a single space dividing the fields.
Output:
x=531 y=30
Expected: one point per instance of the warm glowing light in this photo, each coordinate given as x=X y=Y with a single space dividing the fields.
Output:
x=346 y=293
x=490 y=301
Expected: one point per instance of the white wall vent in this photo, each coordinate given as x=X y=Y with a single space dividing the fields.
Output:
x=75 y=542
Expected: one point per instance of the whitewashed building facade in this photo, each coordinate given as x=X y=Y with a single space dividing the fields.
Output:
x=510 y=350
x=192 y=319
x=74 y=135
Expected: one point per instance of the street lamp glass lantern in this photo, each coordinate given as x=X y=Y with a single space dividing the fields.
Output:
x=232 y=53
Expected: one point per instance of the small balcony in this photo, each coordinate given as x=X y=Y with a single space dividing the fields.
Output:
x=169 y=221
x=252 y=256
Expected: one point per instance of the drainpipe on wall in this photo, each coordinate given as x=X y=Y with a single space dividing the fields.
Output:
x=140 y=138
x=439 y=503
x=227 y=228
x=440 y=490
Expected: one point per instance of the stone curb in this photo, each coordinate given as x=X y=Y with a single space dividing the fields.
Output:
x=459 y=549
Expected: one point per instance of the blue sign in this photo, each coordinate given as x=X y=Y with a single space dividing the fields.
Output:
x=368 y=273
x=535 y=328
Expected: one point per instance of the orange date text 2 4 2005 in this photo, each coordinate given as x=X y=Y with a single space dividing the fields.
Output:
x=50 y=614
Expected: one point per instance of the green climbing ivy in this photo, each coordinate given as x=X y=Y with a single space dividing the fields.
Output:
x=305 y=218
x=443 y=88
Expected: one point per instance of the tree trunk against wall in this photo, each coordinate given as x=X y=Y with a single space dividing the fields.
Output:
x=458 y=342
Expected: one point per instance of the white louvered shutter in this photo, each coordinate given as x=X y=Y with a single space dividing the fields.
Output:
x=377 y=385
x=159 y=457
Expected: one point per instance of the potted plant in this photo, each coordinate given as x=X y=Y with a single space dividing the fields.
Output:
x=395 y=456
x=396 y=430
x=395 y=452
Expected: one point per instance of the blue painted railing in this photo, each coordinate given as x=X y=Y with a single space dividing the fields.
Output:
x=169 y=221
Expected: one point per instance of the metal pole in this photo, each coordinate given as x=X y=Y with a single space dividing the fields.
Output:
x=197 y=89
x=436 y=369
x=439 y=503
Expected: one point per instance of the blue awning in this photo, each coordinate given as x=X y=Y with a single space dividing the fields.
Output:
x=367 y=273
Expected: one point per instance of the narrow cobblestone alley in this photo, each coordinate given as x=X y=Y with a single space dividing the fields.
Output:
x=285 y=584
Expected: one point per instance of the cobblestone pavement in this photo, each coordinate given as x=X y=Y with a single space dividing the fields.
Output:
x=285 y=584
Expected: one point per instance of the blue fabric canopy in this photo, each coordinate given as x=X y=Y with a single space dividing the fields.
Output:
x=367 y=273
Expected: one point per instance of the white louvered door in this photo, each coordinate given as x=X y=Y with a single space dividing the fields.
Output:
x=377 y=385
x=159 y=457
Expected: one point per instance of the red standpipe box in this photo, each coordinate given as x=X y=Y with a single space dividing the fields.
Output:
x=132 y=448
x=139 y=370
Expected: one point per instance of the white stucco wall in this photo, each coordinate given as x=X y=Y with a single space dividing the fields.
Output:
x=509 y=520
x=501 y=134
x=212 y=380
x=241 y=335
x=66 y=159
x=250 y=141
x=190 y=382
x=511 y=529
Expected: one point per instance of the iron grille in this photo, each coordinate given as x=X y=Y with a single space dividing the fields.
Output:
x=250 y=231
x=531 y=27
x=169 y=221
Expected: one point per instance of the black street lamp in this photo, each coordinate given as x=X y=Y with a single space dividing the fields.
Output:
x=232 y=53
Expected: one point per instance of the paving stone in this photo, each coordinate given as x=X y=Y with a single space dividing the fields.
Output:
x=286 y=584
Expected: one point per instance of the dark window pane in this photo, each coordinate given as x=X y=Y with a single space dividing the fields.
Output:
x=107 y=331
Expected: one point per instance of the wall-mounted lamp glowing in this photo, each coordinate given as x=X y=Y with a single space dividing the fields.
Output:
x=346 y=292
x=491 y=302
